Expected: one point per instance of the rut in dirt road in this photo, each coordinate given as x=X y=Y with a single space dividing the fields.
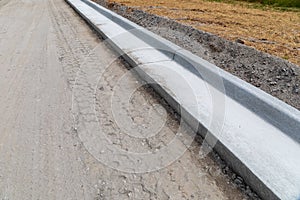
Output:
x=48 y=57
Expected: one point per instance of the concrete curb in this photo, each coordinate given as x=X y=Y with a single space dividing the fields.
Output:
x=264 y=150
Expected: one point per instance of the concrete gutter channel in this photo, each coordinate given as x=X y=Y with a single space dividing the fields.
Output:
x=255 y=133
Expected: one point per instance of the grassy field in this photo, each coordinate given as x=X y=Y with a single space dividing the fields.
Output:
x=289 y=5
x=280 y=3
x=270 y=30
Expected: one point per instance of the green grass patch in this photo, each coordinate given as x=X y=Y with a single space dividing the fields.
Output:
x=282 y=5
x=279 y=3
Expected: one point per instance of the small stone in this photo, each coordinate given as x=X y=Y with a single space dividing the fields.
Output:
x=295 y=90
x=238 y=180
x=233 y=176
x=240 y=41
x=101 y=88
x=225 y=170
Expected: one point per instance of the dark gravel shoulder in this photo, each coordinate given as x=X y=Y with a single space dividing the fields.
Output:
x=273 y=75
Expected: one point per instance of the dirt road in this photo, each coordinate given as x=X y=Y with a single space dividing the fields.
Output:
x=46 y=58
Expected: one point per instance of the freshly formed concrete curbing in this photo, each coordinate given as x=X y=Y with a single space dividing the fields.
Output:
x=258 y=135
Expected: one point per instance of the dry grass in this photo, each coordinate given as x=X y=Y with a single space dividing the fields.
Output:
x=272 y=31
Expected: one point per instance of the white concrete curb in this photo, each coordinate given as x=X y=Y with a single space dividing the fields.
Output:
x=258 y=135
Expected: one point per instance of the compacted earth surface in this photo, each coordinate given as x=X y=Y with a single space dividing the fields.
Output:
x=272 y=74
x=54 y=70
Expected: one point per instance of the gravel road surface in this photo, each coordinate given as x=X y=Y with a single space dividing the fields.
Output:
x=47 y=60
